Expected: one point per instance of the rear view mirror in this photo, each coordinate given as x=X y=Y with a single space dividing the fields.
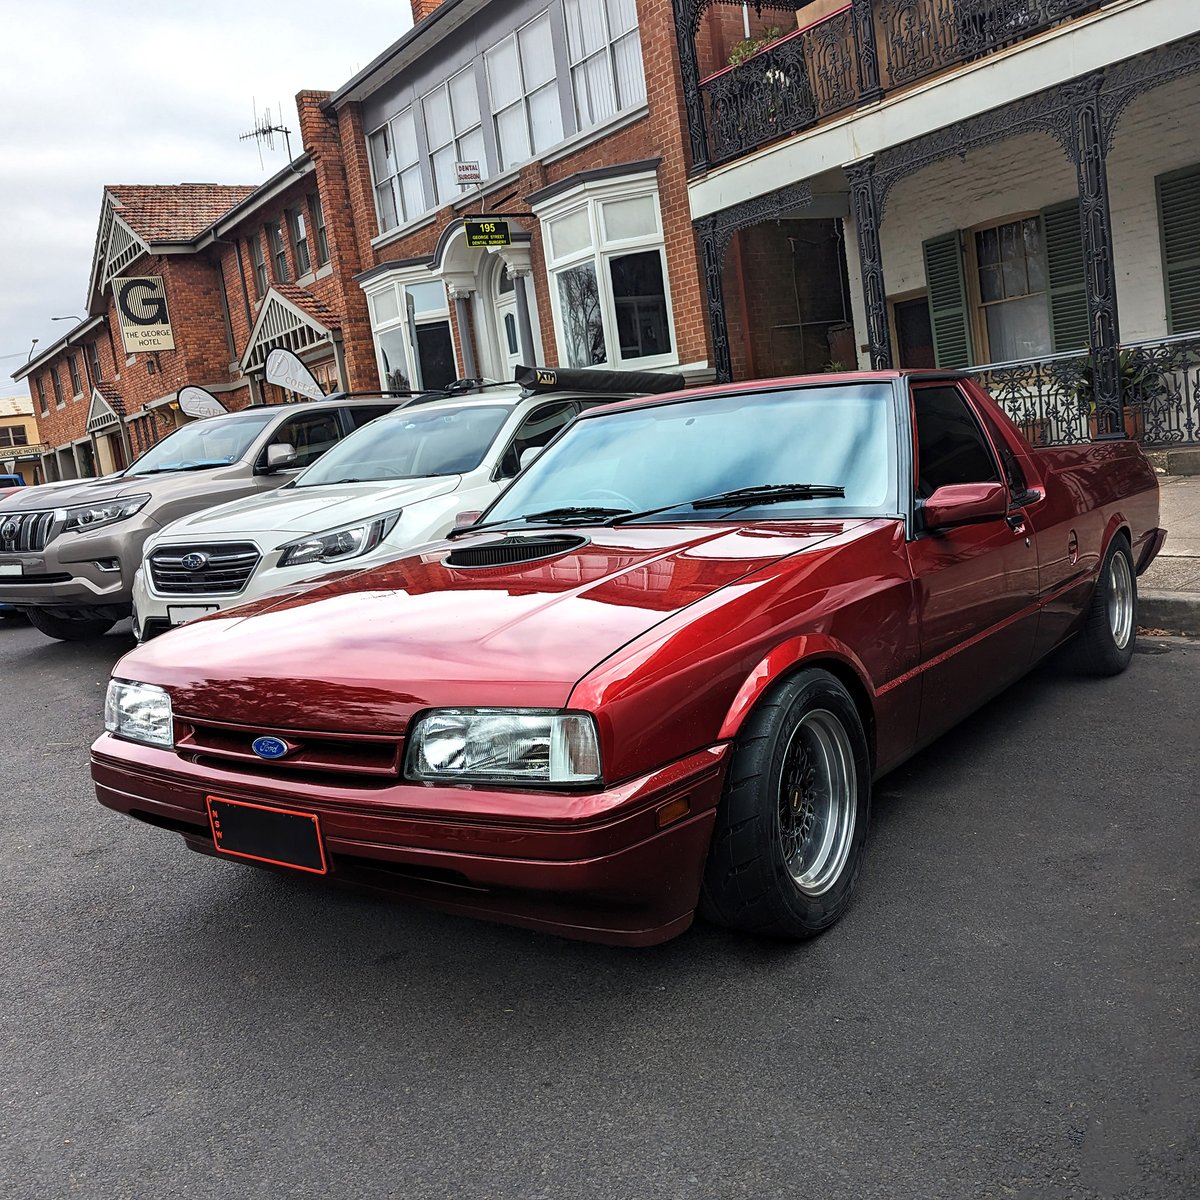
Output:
x=964 y=503
x=280 y=456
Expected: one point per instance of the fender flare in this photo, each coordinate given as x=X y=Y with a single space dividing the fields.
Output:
x=782 y=660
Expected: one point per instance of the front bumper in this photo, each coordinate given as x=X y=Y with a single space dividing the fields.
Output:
x=594 y=866
x=90 y=573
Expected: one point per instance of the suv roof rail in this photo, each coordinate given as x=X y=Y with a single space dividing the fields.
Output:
x=559 y=379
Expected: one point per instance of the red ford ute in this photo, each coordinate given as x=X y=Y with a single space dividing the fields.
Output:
x=660 y=674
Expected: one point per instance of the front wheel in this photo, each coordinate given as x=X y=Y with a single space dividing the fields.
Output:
x=68 y=629
x=791 y=828
x=1106 y=640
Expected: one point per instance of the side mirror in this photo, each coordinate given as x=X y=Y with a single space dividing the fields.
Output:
x=280 y=456
x=529 y=454
x=467 y=518
x=963 y=503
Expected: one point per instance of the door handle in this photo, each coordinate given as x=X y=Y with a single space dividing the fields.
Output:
x=1016 y=522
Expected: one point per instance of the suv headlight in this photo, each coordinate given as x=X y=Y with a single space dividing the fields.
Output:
x=140 y=712
x=348 y=542
x=105 y=512
x=504 y=745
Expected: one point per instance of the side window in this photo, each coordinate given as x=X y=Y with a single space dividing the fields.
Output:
x=950 y=445
x=359 y=415
x=312 y=433
x=534 y=432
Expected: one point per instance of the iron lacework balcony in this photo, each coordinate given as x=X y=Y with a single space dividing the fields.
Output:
x=850 y=57
x=1051 y=398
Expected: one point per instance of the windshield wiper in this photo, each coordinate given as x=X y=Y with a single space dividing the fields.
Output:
x=582 y=514
x=771 y=493
x=189 y=466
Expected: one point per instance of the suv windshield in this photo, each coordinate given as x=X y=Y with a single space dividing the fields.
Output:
x=213 y=442
x=837 y=436
x=411 y=444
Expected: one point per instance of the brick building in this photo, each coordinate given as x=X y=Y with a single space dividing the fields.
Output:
x=20 y=451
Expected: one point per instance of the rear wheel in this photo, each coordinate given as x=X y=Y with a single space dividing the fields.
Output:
x=68 y=629
x=1105 y=643
x=792 y=826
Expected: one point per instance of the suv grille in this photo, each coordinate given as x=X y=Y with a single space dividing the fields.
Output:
x=203 y=570
x=22 y=532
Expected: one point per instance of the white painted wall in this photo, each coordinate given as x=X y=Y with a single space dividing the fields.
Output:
x=1160 y=132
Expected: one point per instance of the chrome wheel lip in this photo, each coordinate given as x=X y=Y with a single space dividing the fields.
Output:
x=816 y=829
x=1120 y=600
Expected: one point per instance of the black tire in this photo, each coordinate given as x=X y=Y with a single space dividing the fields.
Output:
x=1106 y=638
x=68 y=629
x=11 y=614
x=808 y=720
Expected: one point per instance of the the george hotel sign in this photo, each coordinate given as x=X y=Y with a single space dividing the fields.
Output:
x=142 y=308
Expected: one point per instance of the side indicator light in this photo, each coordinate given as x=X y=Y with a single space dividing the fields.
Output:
x=672 y=811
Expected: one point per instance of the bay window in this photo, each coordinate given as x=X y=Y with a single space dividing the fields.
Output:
x=524 y=92
x=608 y=279
x=453 y=128
x=410 y=321
x=606 y=58
x=395 y=166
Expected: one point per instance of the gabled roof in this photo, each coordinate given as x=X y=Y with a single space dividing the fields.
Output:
x=290 y=319
x=175 y=212
x=106 y=408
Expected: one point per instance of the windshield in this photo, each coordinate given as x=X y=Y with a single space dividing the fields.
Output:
x=411 y=444
x=840 y=436
x=209 y=443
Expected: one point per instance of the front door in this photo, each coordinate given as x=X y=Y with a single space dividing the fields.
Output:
x=976 y=584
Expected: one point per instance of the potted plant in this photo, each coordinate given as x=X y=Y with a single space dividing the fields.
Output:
x=1139 y=379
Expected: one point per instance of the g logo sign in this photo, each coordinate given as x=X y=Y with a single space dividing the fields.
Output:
x=142 y=308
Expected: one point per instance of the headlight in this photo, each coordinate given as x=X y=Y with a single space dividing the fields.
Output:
x=140 y=712
x=91 y=516
x=504 y=745
x=338 y=544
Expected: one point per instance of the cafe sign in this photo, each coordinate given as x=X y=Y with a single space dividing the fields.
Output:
x=142 y=310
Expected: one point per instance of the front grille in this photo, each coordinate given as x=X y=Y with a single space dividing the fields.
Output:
x=226 y=569
x=26 y=531
x=373 y=758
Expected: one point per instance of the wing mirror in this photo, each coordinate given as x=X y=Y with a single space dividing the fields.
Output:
x=964 y=503
x=529 y=454
x=280 y=456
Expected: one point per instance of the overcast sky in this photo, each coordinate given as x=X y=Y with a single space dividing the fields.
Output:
x=95 y=92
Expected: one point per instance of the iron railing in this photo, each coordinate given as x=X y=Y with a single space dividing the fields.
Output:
x=819 y=71
x=1050 y=398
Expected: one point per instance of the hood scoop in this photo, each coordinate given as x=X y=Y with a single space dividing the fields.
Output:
x=511 y=550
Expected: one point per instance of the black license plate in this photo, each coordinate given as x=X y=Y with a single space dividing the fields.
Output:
x=260 y=833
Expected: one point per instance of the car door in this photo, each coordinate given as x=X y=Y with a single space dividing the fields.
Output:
x=976 y=584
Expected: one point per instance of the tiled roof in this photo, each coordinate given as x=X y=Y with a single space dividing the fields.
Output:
x=112 y=394
x=175 y=212
x=309 y=304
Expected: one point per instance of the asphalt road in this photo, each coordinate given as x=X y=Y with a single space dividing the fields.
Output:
x=1009 y=1009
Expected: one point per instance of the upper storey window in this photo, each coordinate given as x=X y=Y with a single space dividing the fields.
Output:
x=606 y=58
x=453 y=128
x=524 y=93
x=395 y=164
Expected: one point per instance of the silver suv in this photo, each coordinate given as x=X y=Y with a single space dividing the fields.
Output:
x=68 y=554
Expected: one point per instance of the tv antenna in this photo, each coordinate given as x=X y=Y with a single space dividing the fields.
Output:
x=264 y=132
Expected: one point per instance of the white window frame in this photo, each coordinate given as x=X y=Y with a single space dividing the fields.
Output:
x=394 y=181
x=457 y=135
x=590 y=198
x=608 y=51
x=397 y=283
x=549 y=85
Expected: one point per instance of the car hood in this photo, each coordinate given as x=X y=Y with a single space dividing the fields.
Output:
x=92 y=491
x=365 y=650
x=300 y=510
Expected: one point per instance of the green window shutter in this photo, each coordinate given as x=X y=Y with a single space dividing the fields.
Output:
x=1179 y=223
x=949 y=315
x=1066 y=296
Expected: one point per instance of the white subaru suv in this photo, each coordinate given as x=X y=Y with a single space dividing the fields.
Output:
x=392 y=485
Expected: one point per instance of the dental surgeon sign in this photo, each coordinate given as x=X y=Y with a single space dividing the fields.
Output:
x=142 y=308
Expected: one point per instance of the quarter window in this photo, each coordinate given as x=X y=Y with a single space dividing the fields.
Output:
x=453 y=129
x=395 y=163
x=951 y=447
x=524 y=93
x=609 y=288
x=606 y=58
